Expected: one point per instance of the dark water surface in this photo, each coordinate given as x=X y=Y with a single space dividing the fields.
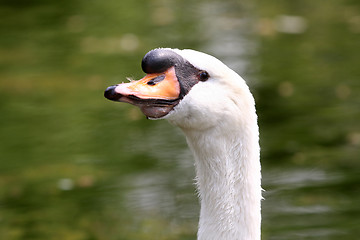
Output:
x=75 y=166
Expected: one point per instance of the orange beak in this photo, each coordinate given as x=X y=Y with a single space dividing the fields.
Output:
x=162 y=86
x=156 y=94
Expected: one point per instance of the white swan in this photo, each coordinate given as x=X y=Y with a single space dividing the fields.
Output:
x=216 y=111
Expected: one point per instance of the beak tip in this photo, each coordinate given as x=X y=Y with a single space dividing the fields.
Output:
x=111 y=94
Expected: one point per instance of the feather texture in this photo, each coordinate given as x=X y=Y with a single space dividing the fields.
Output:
x=219 y=120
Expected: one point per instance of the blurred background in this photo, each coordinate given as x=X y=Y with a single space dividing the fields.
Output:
x=76 y=166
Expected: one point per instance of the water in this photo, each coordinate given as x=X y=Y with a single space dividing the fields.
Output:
x=76 y=166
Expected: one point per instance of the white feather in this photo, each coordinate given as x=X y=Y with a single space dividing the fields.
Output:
x=220 y=124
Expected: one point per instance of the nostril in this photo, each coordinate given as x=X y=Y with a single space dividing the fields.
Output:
x=111 y=94
x=155 y=80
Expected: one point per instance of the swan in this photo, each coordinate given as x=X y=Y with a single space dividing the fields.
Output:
x=214 y=108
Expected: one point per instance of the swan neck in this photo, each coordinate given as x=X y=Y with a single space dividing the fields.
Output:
x=228 y=181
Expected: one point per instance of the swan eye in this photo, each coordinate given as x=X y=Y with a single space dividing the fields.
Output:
x=156 y=80
x=203 y=76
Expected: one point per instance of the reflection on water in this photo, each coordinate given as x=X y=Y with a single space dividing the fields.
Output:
x=75 y=166
x=315 y=206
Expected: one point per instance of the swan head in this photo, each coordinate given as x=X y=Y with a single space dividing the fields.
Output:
x=189 y=88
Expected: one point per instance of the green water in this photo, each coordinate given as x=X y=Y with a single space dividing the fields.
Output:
x=76 y=166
